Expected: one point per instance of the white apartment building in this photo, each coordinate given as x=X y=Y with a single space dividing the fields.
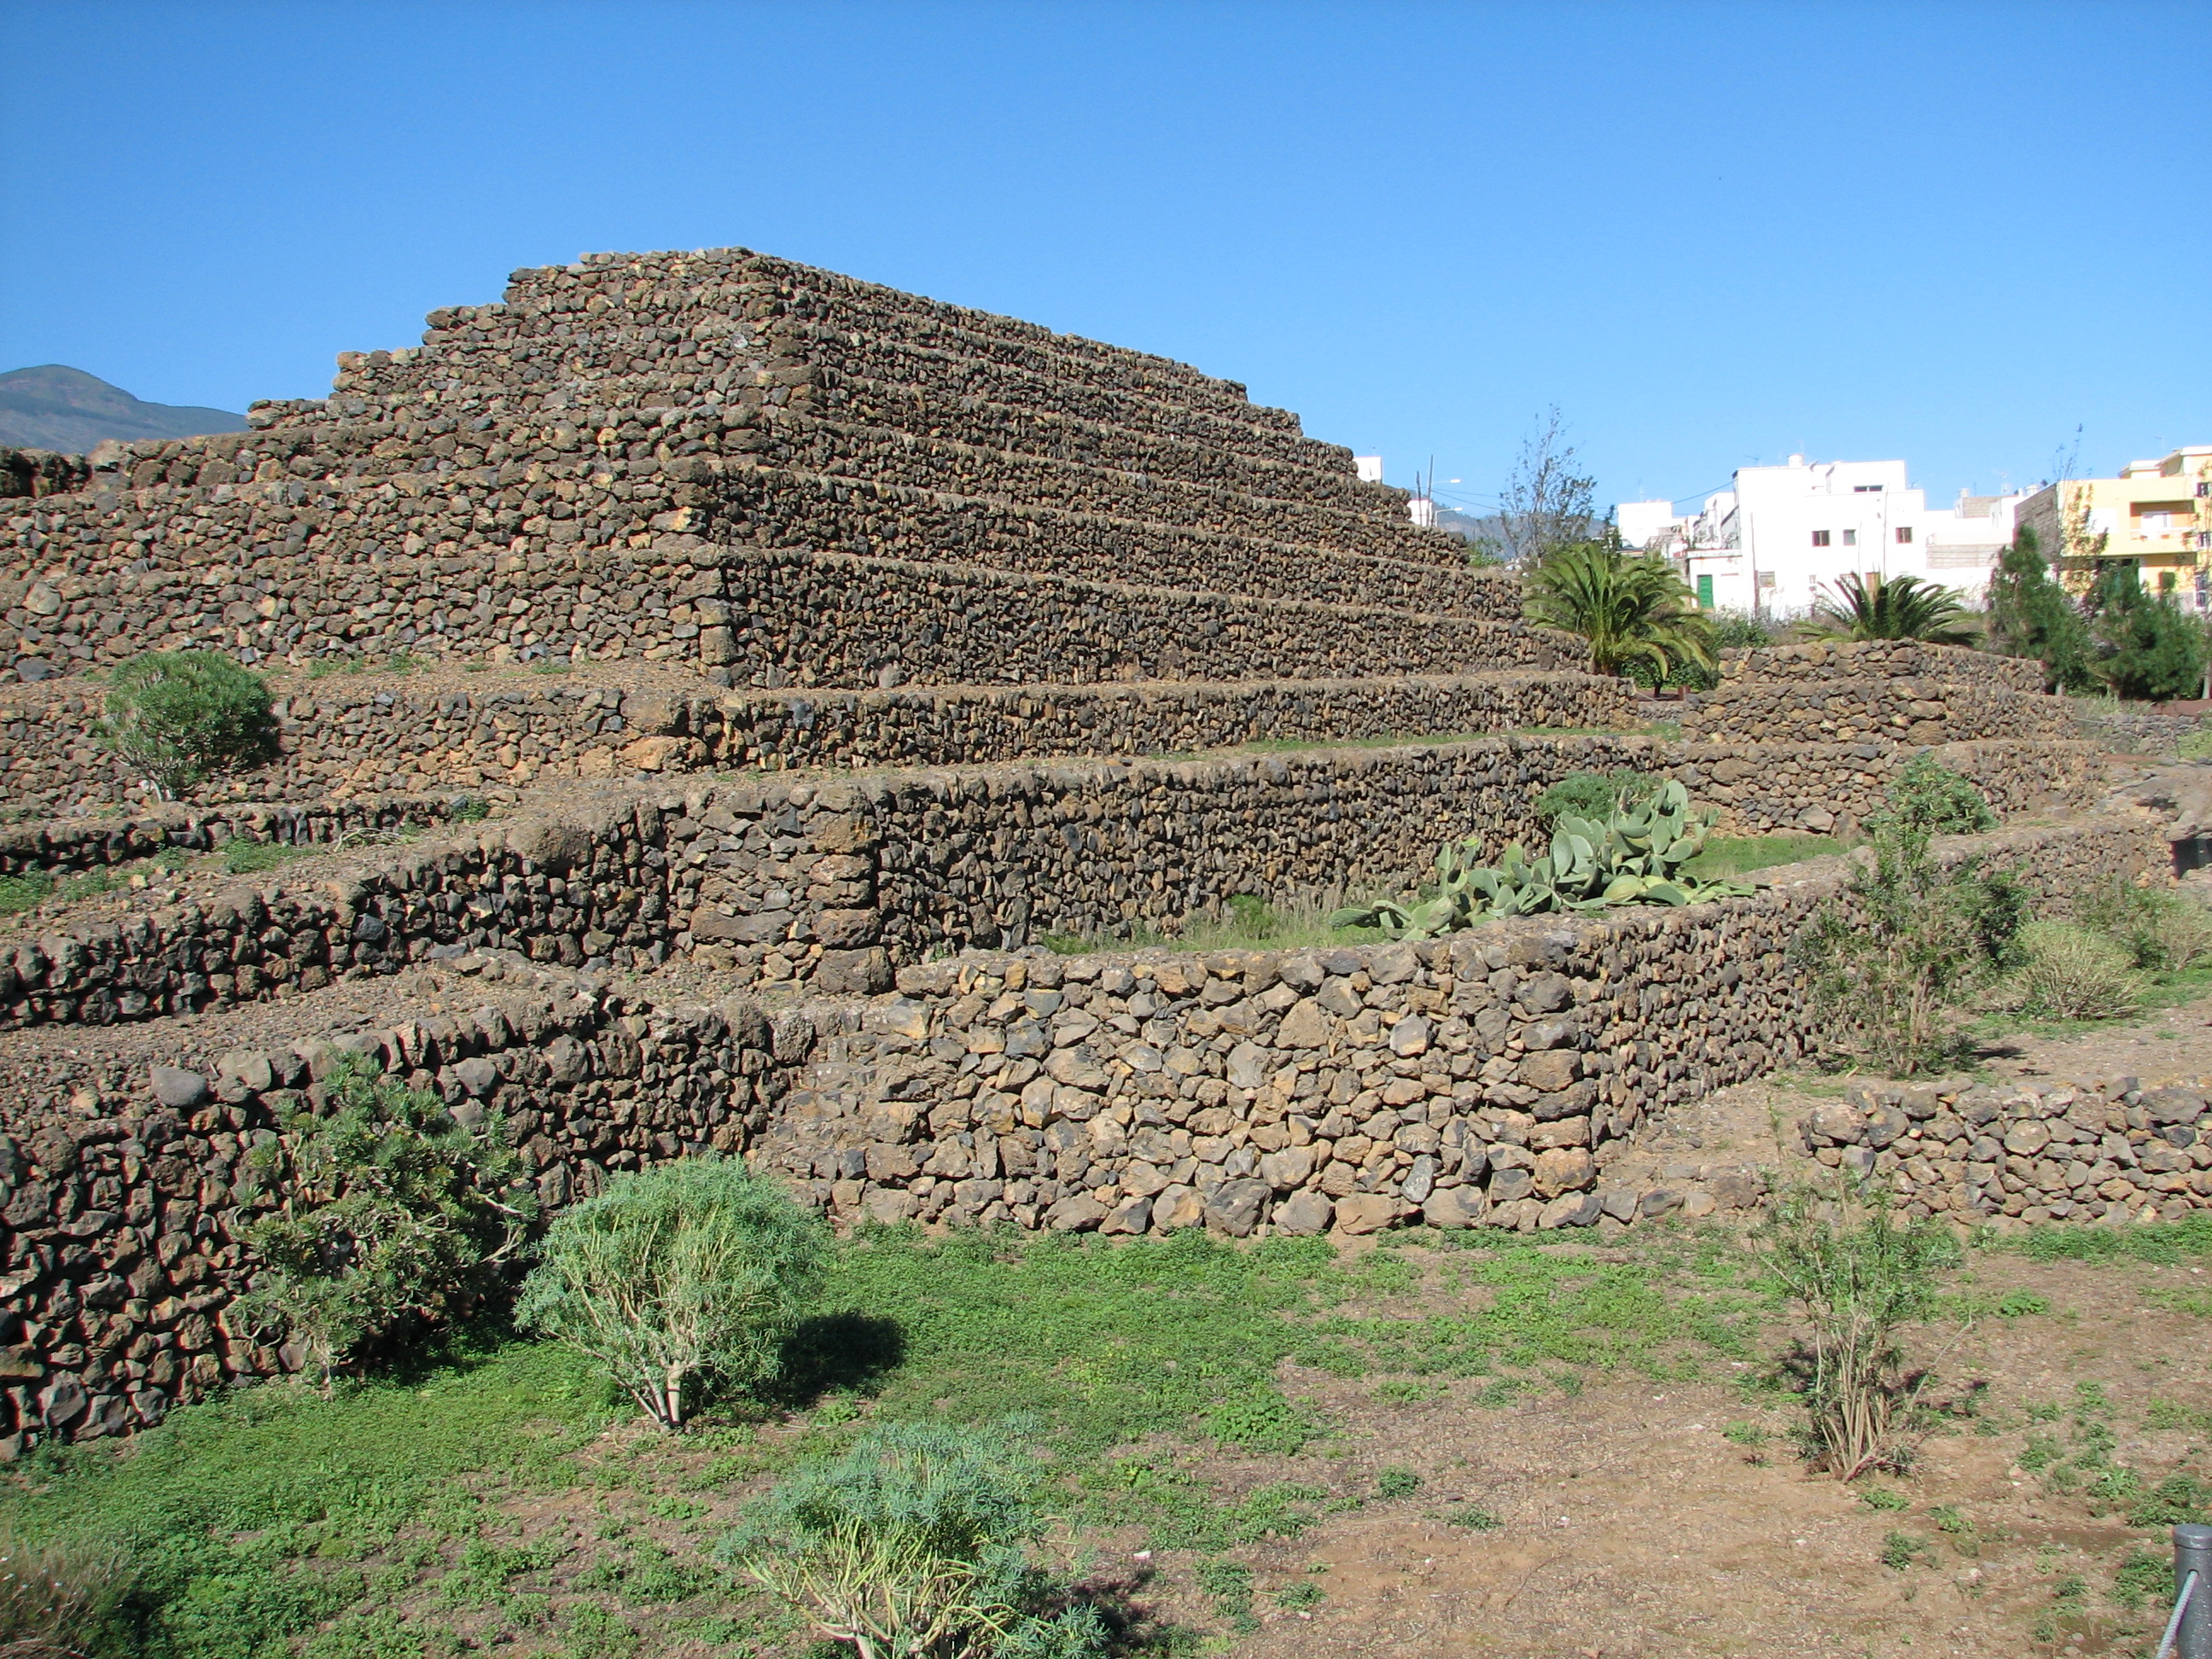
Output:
x=1785 y=535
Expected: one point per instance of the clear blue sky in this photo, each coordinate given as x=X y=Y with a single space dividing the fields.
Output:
x=1710 y=235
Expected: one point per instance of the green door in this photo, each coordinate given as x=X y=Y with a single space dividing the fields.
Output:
x=1704 y=592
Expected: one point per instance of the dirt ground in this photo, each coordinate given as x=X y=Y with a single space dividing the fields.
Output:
x=1633 y=1529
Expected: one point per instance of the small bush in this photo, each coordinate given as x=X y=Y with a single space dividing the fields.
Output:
x=1930 y=798
x=55 y=1599
x=390 y=1216
x=693 y=1270
x=2071 y=973
x=918 y=1541
x=1594 y=794
x=2161 y=929
x=1856 y=1274
x=1884 y=1497
x=181 y=716
x=1918 y=938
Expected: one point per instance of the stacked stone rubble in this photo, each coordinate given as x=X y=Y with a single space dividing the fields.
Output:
x=1887 y=692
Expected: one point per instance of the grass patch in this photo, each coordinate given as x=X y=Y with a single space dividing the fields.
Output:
x=1726 y=857
x=1251 y=923
x=244 y=858
x=1131 y=1367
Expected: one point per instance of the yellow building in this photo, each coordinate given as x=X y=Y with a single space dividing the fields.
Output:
x=2157 y=512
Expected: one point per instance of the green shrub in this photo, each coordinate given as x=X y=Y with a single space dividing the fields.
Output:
x=1856 y=1274
x=694 y=1270
x=57 y=1596
x=2161 y=929
x=918 y=1541
x=182 y=716
x=390 y=1216
x=1929 y=797
x=1397 y=1483
x=1595 y=794
x=1913 y=938
x=2071 y=973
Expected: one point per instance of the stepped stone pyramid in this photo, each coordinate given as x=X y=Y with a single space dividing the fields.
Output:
x=781 y=475
x=910 y=664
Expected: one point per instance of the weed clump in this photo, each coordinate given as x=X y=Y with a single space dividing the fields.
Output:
x=2072 y=973
x=57 y=1600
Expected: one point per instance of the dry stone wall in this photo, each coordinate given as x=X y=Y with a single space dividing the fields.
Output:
x=2112 y=1150
x=374 y=733
x=1888 y=692
x=1482 y=1080
x=1818 y=662
x=127 y=1194
x=838 y=882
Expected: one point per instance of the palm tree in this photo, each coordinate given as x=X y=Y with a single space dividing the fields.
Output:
x=1899 y=608
x=1631 y=607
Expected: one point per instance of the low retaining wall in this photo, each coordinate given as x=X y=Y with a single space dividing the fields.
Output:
x=2115 y=1150
x=2147 y=731
x=1479 y=1079
x=383 y=733
x=843 y=880
x=126 y=1195
x=839 y=882
x=1904 y=710
x=1850 y=660
x=78 y=845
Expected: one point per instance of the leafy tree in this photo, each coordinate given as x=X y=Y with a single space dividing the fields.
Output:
x=2031 y=615
x=390 y=1216
x=690 y=1270
x=2147 y=649
x=1873 y=607
x=1631 y=607
x=1547 y=504
x=180 y=716
x=917 y=1542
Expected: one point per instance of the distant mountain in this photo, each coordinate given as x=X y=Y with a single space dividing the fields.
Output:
x=52 y=407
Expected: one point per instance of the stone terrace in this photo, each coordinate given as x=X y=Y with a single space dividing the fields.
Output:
x=819 y=650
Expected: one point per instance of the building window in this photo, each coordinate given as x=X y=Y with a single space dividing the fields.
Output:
x=1865 y=489
x=1819 y=538
x=1851 y=538
x=1904 y=532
